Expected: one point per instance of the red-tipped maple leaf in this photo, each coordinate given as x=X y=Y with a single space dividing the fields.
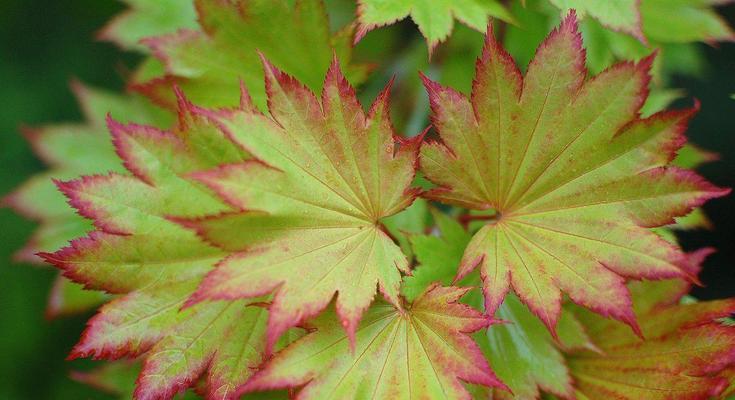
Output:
x=687 y=354
x=423 y=352
x=323 y=176
x=574 y=174
x=155 y=264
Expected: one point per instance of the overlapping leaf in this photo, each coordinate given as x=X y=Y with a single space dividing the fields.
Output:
x=574 y=174
x=523 y=353
x=683 y=21
x=71 y=150
x=147 y=18
x=155 y=264
x=687 y=354
x=324 y=176
x=205 y=63
x=624 y=16
x=667 y=21
x=423 y=352
x=435 y=19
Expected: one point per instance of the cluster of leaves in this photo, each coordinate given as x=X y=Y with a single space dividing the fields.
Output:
x=241 y=228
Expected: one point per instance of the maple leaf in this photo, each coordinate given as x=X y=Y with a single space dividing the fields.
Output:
x=205 y=63
x=70 y=150
x=398 y=354
x=142 y=252
x=574 y=174
x=684 y=21
x=667 y=21
x=687 y=354
x=154 y=264
x=147 y=18
x=623 y=16
x=115 y=378
x=434 y=19
x=438 y=255
x=322 y=178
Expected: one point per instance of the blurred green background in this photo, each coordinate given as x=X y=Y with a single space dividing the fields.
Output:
x=46 y=43
x=43 y=44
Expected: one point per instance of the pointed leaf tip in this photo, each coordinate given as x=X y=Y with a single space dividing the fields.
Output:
x=431 y=336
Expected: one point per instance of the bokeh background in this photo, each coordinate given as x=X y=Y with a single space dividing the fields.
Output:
x=46 y=43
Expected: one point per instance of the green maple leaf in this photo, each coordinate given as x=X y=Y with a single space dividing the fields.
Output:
x=71 y=150
x=115 y=378
x=435 y=19
x=423 y=351
x=623 y=16
x=684 y=21
x=147 y=18
x=687 y=353
x=322 y=206
x=574 y=174
x=438 y=255
x=205 y=63
x=154 y=264
x=311 y=203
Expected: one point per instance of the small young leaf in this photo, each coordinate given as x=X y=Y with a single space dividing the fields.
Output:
x=421 y=352
x=574 y=175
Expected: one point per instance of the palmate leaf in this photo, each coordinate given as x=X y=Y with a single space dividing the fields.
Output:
x=435 y=19
x=205 y=63
x=422 y=352
x=70 y=150
x=688 y=351
x=155 y=264
x=324 y=174
x=667 y=21
x=147 y=18
x=438 y=255
x=574 y=175
x=115 y=378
